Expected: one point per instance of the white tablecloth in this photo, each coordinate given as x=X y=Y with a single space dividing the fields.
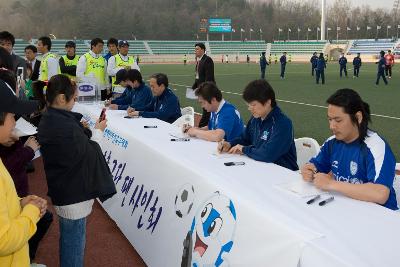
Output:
x=268 y=226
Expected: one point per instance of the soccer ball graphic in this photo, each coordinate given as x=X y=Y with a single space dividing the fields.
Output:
x=184 y=200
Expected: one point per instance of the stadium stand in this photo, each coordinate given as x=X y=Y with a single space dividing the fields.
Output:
x=371 y=46
x=159 y=47
x=297 y=47
x=235 y=47
x=172 y=47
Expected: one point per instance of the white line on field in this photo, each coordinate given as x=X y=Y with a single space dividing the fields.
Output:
x=294 y=102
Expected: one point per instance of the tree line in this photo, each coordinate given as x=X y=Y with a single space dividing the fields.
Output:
x=180 y=19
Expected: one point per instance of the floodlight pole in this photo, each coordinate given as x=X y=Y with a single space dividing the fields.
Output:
x=323 y=20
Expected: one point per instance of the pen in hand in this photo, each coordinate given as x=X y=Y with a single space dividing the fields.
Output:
x=221 y=145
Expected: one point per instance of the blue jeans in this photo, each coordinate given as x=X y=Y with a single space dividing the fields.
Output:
x=72 y=242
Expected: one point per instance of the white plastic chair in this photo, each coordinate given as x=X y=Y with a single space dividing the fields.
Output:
x=186 y=118
x=306 y=148
x=396 y=184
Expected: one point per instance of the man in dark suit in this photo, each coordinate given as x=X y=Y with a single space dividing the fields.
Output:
x=204 y=73
x=30 y=55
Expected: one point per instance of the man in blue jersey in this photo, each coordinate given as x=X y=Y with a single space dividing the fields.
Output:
x=225 y=122
x=269 y=135
x=355 y=161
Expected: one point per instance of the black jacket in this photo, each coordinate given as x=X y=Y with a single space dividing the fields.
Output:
x=206 y=71
x=36 y=69
x=75 y=166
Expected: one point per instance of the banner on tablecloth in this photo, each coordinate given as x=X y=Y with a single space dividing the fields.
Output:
x=174 y=216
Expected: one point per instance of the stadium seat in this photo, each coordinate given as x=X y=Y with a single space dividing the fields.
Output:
x=186 y=118
x=306 y=148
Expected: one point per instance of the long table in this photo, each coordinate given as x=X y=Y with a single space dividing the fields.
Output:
x=178 y=204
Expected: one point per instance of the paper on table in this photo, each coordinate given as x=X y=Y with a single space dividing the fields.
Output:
x=223 y=155
x=190 y=93
x=302 y=189
x=178 y=135
x=37 y=154
x=24 y=128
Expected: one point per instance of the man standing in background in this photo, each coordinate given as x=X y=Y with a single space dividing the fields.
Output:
x=283 y=64
x=314 y=62
x=204 y=73
x=69 y=61
x=356 y=65
x=7 y=41
x=30 y=55
x=343 y=65
x=49 y=64
x=121 y=61
x=263 y=64
x=92 y=67
x=112 y=45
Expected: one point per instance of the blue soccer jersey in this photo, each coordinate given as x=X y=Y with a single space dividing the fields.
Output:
x=370 y=162
x=227 y=118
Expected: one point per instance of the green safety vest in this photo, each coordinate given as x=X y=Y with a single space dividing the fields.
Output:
x=120 y=63
x=97 y=66
x=70 y=62
x=44 y=68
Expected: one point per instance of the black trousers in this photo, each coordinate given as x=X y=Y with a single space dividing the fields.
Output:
x=320 y=74
x=343 y=68
x=381 y=74
x=388 y=70
x=312 y=70
x=356 y=71
x=262 y=73
x=283 y=68
x=42 y=227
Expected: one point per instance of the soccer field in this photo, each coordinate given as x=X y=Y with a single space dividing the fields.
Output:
x=298 y=95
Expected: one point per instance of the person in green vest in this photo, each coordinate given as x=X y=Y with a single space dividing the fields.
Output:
x=49 y=65
x=270 y=59
x=290 y=58
x=69 y=61
x=121 y=61
x=92 y=68
x=276 y=59
x=326 y=58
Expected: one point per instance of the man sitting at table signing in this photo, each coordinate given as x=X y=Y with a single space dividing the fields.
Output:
x=355 y=161
x=225 y=122
x=269 y=133
x=165 y=104
x=137 y=94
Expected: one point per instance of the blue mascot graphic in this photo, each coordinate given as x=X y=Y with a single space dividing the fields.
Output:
x=211 y=235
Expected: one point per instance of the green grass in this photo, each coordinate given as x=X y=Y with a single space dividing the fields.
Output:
x=299 y=86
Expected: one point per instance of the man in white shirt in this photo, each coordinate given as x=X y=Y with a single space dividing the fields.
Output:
x=121 y=61
x=92 y=67
x=49 y=64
